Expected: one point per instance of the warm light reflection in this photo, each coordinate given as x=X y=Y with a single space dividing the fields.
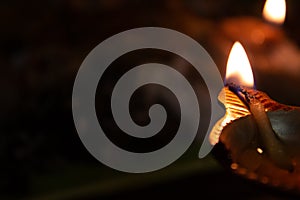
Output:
x=238 y=70
x=259 y=150
x=275 y=11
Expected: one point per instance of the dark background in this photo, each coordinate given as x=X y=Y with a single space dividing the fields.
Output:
x=42 y=46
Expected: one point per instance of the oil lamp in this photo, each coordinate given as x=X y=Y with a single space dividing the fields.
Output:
x=253 y=31
x=270 y=49
x=260 y=137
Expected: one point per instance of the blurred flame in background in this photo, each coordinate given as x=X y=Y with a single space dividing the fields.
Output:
x=274 y=11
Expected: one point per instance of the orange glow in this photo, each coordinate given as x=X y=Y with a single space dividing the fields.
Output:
x=274 y=11
x=238 y=70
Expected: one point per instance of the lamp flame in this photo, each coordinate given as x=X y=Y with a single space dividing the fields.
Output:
x=274 y=11
x=238 y=70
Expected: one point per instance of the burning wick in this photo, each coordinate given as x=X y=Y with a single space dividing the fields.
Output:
x=240 y=100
